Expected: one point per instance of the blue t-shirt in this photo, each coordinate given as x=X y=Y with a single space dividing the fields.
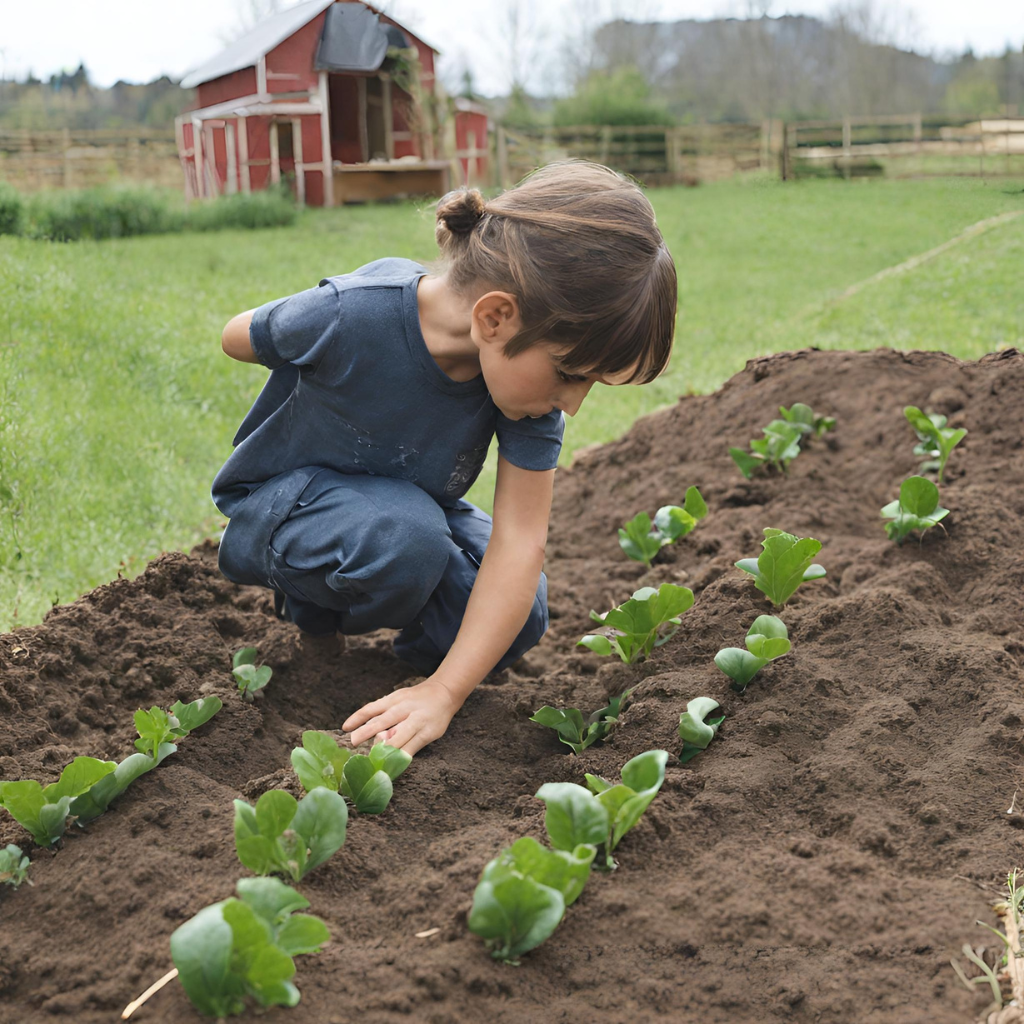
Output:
x=353 y=388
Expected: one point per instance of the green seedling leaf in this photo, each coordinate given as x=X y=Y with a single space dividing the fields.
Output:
x=155 y=727
x=693 y=503
x=937 y=440
x=244 y=947
x=574 y=816
x=647 y=620
x=745 y=462
x=917 y=508
x=558 y=869
x=782 y=439
x=245 y=656
x=321 y=820
x=191 y=716
x=251 y=679
x=783 y=565
x=638 y=540
x=43 y=810
x=696 y=728
x=568 y=722
x=319 y=761
x=368 y=787
x=768 y=638
x=739 y=665
x=392 y=760
x=283 y=836
x=514 y=915
x=14 y=866
x=92 y=803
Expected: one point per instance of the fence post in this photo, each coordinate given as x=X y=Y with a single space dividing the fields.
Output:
x=784 y=161
x=503 y=158
x=847 y=146
x=66 y=146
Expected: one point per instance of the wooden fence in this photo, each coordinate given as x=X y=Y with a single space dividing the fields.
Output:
x=655 y=154
x=903 y=145
x=32 y=160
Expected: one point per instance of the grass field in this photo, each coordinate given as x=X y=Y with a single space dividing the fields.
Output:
x=117 y=406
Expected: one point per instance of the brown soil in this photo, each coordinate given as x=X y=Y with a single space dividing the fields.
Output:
x=822 y=860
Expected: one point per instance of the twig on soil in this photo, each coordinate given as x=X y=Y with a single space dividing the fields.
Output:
x=152 y=990
x=427 y=933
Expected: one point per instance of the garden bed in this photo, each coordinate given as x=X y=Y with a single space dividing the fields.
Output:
x=821 y=861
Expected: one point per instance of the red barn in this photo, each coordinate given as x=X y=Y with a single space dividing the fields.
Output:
x=330 y=94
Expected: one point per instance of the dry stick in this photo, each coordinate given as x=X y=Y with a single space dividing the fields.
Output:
x=152 y=990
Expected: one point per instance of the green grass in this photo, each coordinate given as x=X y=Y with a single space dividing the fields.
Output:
x=117 y=406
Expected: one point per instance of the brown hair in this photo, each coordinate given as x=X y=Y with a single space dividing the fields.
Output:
x=578 y=245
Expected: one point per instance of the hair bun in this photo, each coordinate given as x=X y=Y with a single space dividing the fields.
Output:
x=461 y=210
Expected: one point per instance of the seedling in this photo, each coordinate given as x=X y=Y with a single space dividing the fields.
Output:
x=917 y=508
x=282 y=835
x=514 y=905
x=43 y=810
x=247 y=675
x=767 y=639
x=936 y=439
x=696 y=729
x=782 y=439
x=604 y=812
x=783 y=565
x=804 y=419
x=568 y=722
x=364 y=778
x=156 y=729
x=14 y=866
x=645 y=621
x=642 y=542
x=244 y=947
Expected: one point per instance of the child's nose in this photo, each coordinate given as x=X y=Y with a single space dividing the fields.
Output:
x=572 y=396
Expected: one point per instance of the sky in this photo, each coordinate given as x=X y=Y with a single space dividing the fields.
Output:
x=138 y=40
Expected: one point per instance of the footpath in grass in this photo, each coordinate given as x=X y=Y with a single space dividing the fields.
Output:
x=117 y=406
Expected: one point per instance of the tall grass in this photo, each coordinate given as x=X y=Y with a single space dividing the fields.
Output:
x=117 y=406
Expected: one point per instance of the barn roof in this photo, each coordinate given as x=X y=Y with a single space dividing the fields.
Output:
x=246 y=51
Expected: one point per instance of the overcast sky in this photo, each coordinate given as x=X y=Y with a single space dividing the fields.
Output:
x=138 y=40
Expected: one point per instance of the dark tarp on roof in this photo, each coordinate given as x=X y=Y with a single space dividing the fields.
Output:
x=353 y=39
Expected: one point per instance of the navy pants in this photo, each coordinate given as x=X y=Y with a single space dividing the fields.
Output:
x=353 y=554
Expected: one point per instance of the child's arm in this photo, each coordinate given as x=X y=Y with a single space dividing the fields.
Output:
x=235 y=338
x=498 y=608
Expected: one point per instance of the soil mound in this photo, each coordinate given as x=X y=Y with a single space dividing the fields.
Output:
x=822 y=860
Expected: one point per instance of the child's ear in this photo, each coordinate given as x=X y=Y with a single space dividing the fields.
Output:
x=496 y=317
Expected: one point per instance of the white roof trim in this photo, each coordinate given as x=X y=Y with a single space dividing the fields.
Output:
x=245 y=51
x=246 y=106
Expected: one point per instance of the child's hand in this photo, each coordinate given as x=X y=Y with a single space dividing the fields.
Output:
x=409 y=718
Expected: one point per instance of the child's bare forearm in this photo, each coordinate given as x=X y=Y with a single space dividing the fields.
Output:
x=498 y=608
x=235 y=338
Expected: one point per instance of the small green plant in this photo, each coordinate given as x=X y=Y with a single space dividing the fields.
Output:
x=250 y=679
x=782 y=439
x=806 y=421
x=366 y=779
x=648 y=619
x=156 y=728
x=783 y=565
x=641 y=541
x=767 y=639
x=13 y=866
x=696 y=729
x=917 y=508
x=43 y=810
x=243 y=947
x=523 y=893
x=604 y=812
x=936 y=440
x=568 y=722
x=282 y=835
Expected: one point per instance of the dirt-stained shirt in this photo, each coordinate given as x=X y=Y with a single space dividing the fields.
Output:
x=354 y=388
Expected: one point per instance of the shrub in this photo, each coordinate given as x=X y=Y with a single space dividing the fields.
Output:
x=12 y=210
x=269 y=209
x=107 y=212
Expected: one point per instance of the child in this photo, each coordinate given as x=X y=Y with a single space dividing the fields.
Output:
x=345 y=488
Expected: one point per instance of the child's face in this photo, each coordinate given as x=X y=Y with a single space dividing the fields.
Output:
x=532 y=383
